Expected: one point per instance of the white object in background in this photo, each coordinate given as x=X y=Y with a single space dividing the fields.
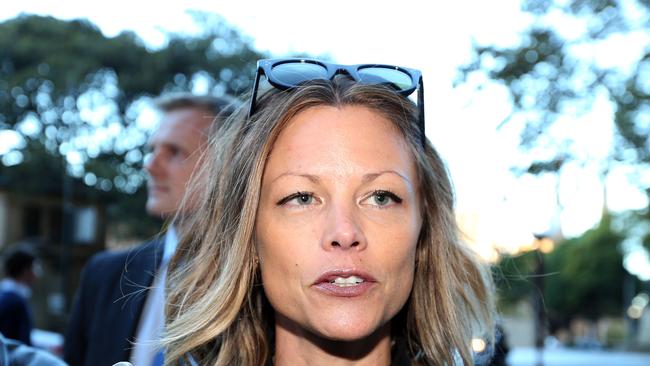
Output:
x=47 y=340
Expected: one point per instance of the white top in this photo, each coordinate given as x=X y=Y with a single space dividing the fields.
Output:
x=152 y=320
x=11 y=285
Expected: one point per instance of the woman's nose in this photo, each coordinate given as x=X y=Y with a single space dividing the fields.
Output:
x=343 y=230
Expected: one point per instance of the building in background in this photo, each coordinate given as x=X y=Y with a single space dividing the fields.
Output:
x=66 y=233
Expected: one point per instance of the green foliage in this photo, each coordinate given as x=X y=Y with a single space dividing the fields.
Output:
x=548 y=77
x=71 y=57
x=552 y=79
x=586 y=275
x=582 y=277
x=513 y=277
x=73 y=97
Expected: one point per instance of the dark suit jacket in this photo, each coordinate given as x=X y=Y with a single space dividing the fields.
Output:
x=108 y=305
x=15 y=317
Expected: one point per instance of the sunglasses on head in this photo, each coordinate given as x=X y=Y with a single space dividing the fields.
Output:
x=288 y=73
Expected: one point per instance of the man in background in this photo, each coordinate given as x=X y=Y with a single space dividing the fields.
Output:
x=118 y=313
x=20 y=267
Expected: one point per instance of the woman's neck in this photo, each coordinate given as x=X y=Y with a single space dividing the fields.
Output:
x=296 y=346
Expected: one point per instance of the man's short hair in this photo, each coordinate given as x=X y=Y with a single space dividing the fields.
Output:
x=220 y=107
x=18 y=260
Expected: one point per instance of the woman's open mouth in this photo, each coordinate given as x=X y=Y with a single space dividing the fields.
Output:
x=344 y=283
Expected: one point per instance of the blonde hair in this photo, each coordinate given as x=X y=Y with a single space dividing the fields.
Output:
x=216 y=310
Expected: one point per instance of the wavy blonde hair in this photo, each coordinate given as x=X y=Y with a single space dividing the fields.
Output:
x=216 y=310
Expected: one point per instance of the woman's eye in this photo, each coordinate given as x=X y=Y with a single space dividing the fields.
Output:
x=383 y=198
x=304 y=199
x=298 y=199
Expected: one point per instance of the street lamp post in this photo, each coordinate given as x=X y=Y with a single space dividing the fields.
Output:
x=538 y=307
x=543 y=245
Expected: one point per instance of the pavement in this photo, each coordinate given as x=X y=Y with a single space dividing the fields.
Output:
x=573 y=357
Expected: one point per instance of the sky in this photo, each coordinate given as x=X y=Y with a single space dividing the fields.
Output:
x=496 y=206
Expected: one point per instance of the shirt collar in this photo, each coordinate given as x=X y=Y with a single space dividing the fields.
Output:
x=171 y=241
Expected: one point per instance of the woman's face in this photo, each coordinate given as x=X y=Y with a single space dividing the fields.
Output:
x=338 y=222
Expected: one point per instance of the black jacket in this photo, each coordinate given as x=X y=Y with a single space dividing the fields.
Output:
x=108 y=304
x=15 y=317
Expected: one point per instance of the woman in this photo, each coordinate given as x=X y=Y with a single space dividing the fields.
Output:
x=326 y=233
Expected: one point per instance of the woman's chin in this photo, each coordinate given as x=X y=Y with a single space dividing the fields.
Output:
x=346 y=329
x=343 y=334
x=329 y=325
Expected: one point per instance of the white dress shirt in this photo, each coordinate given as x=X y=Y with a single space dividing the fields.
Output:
x=152 y=320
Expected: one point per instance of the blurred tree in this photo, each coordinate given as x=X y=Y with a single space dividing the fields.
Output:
x=71 y=100
x=583 y=276
x=576 y=58
x=586 y=275
x=512 y=277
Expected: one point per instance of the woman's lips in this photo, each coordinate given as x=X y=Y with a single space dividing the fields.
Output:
x=344 y=282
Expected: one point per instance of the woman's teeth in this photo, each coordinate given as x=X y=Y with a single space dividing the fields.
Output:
x=347 y=281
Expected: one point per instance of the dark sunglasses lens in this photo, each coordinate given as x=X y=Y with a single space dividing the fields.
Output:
x=294 y=73
x=382 y=75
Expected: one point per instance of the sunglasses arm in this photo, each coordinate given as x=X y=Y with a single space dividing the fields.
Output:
x=258 y=74
x=421 y=107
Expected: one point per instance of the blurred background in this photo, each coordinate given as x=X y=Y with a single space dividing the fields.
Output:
x=541 y=109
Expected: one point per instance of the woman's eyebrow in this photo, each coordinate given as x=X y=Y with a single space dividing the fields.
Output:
x=365 y=179
x=313 y=178
x=372 y=176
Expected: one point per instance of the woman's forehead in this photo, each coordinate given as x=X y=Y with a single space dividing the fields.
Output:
x=327 y=140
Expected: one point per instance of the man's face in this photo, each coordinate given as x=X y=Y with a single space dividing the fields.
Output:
x=175 y=149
